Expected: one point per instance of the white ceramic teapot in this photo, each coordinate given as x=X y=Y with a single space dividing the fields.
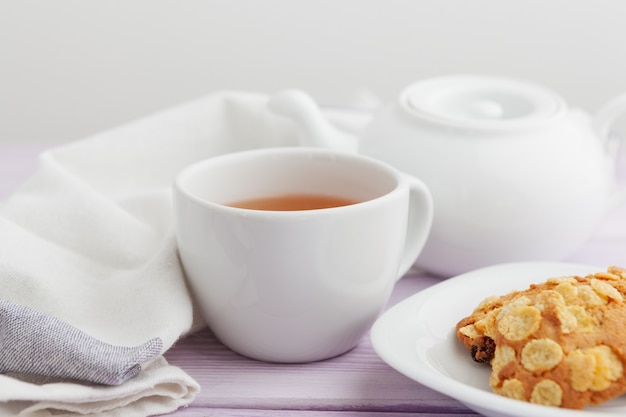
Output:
x=514 y=172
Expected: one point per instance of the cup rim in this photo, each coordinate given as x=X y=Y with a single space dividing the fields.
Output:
x=188 y=171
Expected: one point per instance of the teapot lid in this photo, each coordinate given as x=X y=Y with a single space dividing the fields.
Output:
x=482 y=102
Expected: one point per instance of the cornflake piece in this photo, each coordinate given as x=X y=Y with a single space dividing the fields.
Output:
x=582 y=367
x=520 y=322
x=549 y=298
x=584 y=322
x=513 y=388
x=547 y=392
x=617 y=271
x=560 y=280
x=609 y=276
x=541 y=355
x=503 y=356
x=487 y=325
x=607 y=290
x=488 y=303
x=469 y=331
x=568 y=291
x=590 y=297
x=569 y=321
x=608 y=367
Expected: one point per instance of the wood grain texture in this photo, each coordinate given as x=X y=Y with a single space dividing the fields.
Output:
x=227 y=412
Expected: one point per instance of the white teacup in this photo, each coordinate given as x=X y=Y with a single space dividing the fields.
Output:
x=296 y=285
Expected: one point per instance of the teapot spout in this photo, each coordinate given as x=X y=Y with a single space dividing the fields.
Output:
x=312 y=125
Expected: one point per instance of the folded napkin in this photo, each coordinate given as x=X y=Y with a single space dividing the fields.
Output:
x=92 y=292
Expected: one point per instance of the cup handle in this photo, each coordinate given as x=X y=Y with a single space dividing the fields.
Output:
x=420 y=219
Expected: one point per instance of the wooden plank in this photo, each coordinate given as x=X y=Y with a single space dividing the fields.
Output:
x=246 y=412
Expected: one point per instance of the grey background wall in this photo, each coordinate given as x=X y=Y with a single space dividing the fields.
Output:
x=69 y=68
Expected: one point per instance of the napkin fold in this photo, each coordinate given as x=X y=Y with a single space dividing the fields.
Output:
x=91 y=285
x=36 y=344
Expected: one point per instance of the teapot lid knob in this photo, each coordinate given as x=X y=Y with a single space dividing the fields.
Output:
x=482 y=102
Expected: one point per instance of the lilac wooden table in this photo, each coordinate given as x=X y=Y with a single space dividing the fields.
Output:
x=355 y=384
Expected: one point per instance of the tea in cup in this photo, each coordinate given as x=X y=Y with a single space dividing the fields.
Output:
x=292 y=253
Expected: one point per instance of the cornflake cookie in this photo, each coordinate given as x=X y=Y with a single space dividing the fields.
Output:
x=560 y=343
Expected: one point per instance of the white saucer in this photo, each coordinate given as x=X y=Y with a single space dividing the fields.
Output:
x=417 y=338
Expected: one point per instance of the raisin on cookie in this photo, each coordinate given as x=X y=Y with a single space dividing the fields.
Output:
x=560 y=343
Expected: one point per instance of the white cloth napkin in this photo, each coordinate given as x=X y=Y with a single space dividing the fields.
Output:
x=88 y=242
